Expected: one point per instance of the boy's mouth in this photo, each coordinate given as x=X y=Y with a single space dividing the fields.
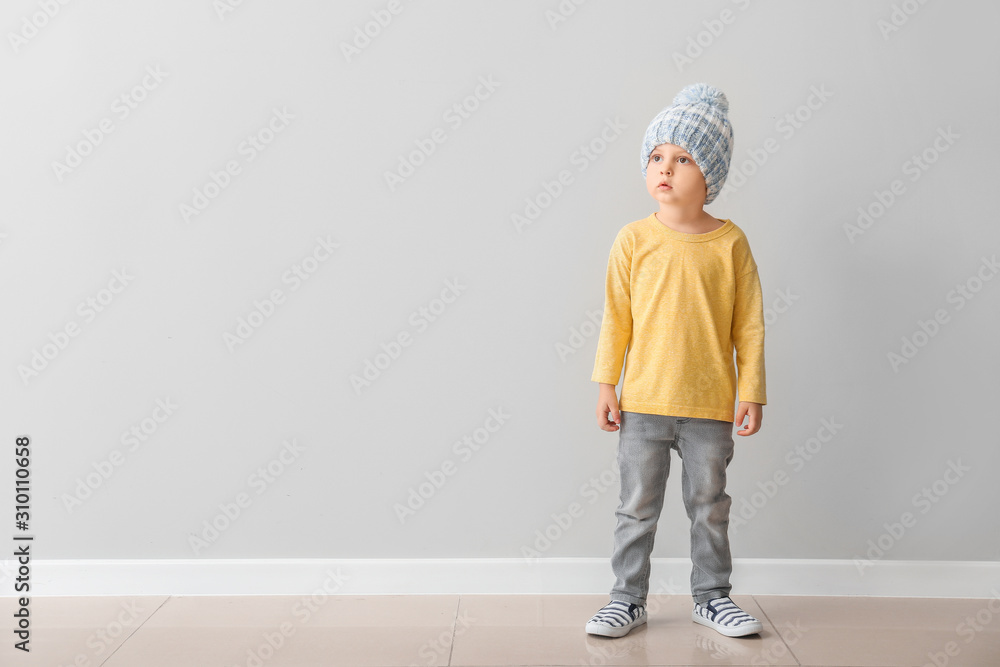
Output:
x=665 y=185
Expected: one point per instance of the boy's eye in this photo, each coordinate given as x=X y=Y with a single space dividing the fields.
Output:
x=683 y=158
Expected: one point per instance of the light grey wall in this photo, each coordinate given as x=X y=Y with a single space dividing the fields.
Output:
x=837 y=105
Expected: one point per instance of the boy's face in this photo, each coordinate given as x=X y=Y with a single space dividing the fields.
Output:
x=675 y=166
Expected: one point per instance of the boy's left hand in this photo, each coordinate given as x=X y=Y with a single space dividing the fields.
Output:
x=754 y=411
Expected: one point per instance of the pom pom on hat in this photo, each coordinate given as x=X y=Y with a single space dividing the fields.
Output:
x=698 y=122
x=702 y=93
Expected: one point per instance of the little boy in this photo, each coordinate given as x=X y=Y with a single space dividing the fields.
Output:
x=682 y=291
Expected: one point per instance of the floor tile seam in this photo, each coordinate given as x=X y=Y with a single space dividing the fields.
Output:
x=454 y=625
x=132 y=634
x=771 y=623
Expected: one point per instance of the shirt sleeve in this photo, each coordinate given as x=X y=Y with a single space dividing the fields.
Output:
x=748 y=334
x=616 y=326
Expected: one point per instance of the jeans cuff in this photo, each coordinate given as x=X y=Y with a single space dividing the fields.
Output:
x=625 y=597
x=711 y=595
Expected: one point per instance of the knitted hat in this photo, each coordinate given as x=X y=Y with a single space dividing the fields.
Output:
x=698 y=122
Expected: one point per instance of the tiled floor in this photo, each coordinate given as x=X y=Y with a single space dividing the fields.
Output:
x=296 y=631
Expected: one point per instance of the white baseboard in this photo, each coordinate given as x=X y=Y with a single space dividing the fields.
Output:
x=492 y=576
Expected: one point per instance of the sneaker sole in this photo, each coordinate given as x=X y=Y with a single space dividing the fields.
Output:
x=748 y=629
x=610 y=631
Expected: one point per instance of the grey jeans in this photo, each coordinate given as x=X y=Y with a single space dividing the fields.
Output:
x=706 y=448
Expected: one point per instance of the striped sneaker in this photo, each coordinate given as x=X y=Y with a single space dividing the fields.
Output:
x=723 y=615
x=617 y=619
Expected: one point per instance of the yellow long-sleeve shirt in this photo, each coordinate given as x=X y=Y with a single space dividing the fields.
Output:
x=681 y=303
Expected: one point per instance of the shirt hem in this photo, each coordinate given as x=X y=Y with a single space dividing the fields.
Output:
x=671 y=410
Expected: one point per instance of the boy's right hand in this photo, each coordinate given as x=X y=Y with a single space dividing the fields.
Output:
x=607 y=402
